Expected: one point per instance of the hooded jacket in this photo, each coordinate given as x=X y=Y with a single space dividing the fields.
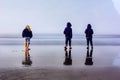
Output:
x=68 y=32
x=89 y=31
x=27 y=33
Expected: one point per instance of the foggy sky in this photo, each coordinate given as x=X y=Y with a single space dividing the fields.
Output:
x=51 y=16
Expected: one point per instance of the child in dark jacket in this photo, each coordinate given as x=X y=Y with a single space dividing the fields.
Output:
x=89 y=32
x=68 y=35
x=27 y=34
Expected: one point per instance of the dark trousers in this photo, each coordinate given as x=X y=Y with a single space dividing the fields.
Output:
x=89 y=40
x=68 y=40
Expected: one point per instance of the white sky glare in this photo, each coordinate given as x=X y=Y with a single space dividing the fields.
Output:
x=51 y=16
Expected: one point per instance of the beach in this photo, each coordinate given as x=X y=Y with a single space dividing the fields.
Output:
x=48 y=63
x=48 y=60
x=47 y=25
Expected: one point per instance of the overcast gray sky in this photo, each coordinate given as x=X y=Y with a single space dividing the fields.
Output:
x=51 y=16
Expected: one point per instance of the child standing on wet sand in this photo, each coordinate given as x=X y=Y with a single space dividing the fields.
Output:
x=89 y=32
x=27 y=34
x=68 y=35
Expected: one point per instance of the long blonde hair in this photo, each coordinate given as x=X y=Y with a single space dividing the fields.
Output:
x=28 y=27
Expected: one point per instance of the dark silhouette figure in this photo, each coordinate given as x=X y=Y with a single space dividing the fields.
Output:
x=27 y=60
x=68 y=35
x=27 y=34
x=88 y=60
x=89 y=32
x=68 y=59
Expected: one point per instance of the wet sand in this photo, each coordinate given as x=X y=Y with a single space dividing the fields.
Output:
x=87 y=73
x=50 y=62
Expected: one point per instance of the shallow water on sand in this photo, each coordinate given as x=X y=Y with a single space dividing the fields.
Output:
x=12 y=56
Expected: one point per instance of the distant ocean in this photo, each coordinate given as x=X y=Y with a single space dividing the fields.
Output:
x=58 y=39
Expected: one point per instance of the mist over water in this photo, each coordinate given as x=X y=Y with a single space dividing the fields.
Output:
x=58 y=39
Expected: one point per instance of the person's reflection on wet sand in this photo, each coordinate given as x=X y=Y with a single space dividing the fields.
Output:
x=27 y=60
x=68 y=59
x=88 y=60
